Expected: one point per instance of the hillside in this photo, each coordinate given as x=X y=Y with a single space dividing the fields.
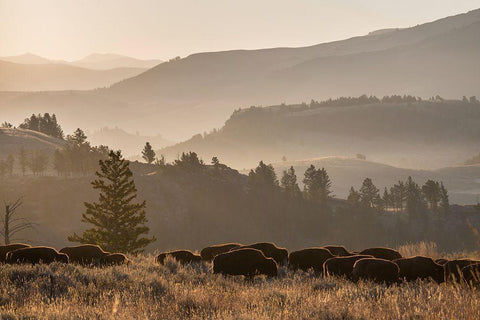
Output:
x=420 y=134
x=461 y=181
x=11 y=140
x=192 y=207
x=198 y=92
x=51 y=76
x=130 y=144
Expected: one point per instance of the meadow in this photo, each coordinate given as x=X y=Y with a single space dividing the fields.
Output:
x=145 y=290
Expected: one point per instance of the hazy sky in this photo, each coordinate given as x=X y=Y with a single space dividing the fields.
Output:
x=71 y=29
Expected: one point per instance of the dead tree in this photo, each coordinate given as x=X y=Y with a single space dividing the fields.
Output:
x=13 y=223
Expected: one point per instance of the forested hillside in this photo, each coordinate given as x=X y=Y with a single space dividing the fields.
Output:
x=401 y=131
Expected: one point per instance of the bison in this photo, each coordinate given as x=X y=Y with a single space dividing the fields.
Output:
x=10 y=247
x=309 y=258
x=270 y=250
x=209 y=253
x=247 y=262
x=85 y=254
x=471 y=274
x=453 y=269
x=382 y=253
x=441 y=261
x=378 y=270
x=114 y=259
x=341 y=266
x=419 y=267
x=182 y=256
x=35 y=255
x=338 y=251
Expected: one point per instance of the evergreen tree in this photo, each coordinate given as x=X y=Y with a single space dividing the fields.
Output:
x=317 y=185
x=387 y=199
x=148 y=154
x=431 y=191
x=399 y=195
x=262 y=179
x=289 y=183
x=118 y=223
x=353 y=197
x=38 y=162
x=415 y=203
x=369 y=194
x=444 y=202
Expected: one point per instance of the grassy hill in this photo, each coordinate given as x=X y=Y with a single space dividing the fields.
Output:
x=198 y=92
x=11 y=140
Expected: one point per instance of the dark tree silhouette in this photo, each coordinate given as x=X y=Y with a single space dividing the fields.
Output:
x=148 y=154
x=118 y=223
x=13 y=223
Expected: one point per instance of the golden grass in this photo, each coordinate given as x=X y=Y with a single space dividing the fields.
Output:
x=144 y=290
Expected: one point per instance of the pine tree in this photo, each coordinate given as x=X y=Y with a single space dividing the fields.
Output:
x=415 y=202
x=432 y=193
x=444 y=202
x=353 y=197
x=289 y=183
x=369 y=194
x=118 y=223
x=317 y=185
x=262 y=179
x=148 y=154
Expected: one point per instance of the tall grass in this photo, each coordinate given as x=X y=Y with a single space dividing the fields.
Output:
x=144 y=290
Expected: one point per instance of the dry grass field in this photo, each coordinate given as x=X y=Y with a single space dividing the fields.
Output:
x=144 y=290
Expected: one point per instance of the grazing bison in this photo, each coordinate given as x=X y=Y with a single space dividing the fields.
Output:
x=84 y=254
x=378 y=270
x=10 y=247
x=182 y=256
x=247 y=262
x=309 y=258
x=338 y=251
x=471 y=274
x=209 y=253
x=453 y=269
x=114 y=259
x=341 y=266
x=270 y=250
x=35 y=255
x=419 y=267
x=382 y=253
x=441 y=261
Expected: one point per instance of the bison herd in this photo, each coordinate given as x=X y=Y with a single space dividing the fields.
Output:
x=383 y=265
x=87 y=254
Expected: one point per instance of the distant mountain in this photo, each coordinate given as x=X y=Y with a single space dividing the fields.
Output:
x=198 y=92
x=50 y=76
x=414 y=134
x=130 y=144
x=27 y=58
x=104 y=61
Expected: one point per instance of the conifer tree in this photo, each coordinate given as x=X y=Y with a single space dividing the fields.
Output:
x=444 y=202
x=289 y=183
x=148 y=154
x=369 y=194
x=118 y=222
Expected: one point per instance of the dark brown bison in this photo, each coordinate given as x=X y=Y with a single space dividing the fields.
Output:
x=471 y=274
x=36 y=255
x=341 y=266
x=419 y=267
x=270 y=250
x=10 y=247
x=114 y=259
x=246 y=262
x=441 y=261
x=209 y=253
x=338 y=251
x=378 y=270
x=182 y=256
x=310 y=258
x=84 y=254
x=453 y=269
x=382 y=253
